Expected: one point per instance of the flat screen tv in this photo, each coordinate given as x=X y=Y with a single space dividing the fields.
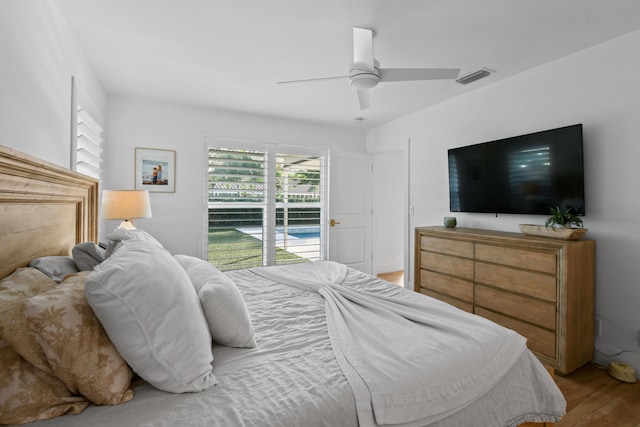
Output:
x=526 y=174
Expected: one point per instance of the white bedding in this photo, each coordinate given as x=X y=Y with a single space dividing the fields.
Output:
x=292 y=377
x=450 y=357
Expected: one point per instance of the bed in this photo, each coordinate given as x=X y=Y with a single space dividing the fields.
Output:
x=277 y=366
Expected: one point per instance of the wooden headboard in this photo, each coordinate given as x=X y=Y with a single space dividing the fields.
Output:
x=44 y=209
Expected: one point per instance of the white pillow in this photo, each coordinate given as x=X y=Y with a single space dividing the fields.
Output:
x=149 y=309
x=121 y=234
x=224 y=308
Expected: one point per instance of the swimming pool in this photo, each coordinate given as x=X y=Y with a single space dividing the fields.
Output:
x=301 y=232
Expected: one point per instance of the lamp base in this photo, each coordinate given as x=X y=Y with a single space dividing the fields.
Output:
x=127 y=225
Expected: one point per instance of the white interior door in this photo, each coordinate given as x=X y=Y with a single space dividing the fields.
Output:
x=350 y=209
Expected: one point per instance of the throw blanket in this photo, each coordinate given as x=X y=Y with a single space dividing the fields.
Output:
x=408 y=363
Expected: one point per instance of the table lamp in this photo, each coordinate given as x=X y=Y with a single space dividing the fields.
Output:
x=126 y=205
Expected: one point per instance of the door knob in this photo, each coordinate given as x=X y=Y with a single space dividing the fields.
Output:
x=333 y=222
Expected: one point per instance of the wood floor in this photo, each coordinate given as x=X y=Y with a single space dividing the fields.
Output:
x=594 y=399
x=395 y=277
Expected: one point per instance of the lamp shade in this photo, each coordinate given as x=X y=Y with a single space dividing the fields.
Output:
x=125 y=204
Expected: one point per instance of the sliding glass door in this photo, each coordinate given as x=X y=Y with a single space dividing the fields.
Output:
x=266 y=205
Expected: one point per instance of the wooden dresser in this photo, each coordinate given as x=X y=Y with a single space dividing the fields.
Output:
x=542 y=288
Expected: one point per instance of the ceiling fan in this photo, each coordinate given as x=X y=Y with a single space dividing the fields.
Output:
x=365 y=72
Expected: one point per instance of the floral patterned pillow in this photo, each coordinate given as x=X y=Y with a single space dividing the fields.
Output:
x=24 y=282
x=29 y=394
x=14 y=290
x=26 y=392
x=75 y=345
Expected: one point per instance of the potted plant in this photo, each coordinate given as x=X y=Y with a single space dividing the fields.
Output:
x=566 y=219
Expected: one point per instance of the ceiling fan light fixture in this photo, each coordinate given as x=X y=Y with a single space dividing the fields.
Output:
x=473 y=76
x=365 y=81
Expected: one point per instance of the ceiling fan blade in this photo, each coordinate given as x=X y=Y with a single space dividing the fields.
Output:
x=363 y=48
x=407 y=74
x=312 y=80
x=364 y=98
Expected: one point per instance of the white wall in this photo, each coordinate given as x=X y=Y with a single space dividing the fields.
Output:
x=177 y=217
x=38 y=57
x=597 y=87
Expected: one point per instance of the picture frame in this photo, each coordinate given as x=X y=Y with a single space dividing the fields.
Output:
x=155 y=170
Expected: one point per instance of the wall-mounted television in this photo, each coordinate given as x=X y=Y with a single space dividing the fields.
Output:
x=526 y=174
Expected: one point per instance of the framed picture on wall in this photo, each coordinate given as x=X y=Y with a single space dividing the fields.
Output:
x=156 y=170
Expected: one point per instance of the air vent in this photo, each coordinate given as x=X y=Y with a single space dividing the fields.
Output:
x=473 y=76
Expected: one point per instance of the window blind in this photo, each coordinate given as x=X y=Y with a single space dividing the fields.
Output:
x=88 y=145
x=237 y=202
x=86 y=134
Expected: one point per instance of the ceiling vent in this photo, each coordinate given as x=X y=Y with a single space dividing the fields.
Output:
x=473 y=76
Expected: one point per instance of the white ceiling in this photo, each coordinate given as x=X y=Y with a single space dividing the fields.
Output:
x=230 y=54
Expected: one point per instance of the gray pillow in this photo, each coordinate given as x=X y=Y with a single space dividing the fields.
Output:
x=224 y=308
x=56 y=267
x=87 y=255
x=151 y=312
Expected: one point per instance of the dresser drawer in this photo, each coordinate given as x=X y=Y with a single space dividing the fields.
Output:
x=544 y=262
x=530 y=310
x=462 y=305
x=458 y=288
x=453 y=266
x=529 y=283
x=446 y=246
x=538 y=339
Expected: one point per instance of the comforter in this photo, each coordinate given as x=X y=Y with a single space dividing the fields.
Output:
x=449 y=357
x=293 y=377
